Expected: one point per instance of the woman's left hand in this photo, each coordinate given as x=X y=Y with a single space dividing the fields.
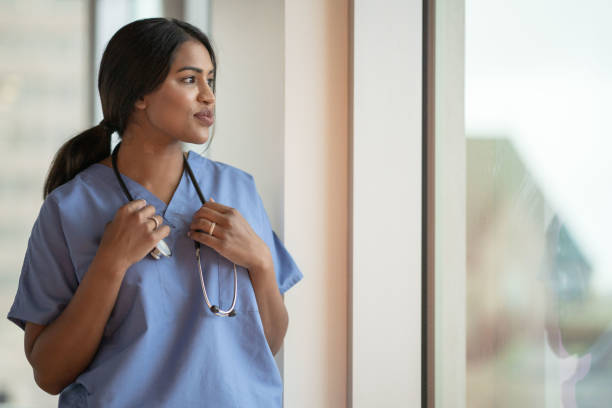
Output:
x=232 y=236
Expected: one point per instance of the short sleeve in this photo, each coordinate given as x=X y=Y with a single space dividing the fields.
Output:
x=48 y=280
x=287 y=272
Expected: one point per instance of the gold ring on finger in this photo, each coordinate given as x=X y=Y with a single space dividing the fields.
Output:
x=156 y=222
x=212 y=227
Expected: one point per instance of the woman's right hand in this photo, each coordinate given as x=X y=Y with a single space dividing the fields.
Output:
x=131 y=235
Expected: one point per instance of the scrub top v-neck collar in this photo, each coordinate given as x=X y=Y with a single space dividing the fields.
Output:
x=175 y=208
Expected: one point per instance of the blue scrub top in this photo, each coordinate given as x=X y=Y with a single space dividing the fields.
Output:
x=161 y=345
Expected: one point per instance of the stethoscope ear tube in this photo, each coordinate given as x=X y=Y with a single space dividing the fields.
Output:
x=161 y=249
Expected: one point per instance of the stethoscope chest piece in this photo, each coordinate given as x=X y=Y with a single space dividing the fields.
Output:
x=161 y=249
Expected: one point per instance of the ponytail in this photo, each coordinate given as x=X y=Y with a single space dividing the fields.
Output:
x=78 y=153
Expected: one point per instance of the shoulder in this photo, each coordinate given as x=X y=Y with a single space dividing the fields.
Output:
x=88 y=196
x=50 y=224
x=75 y=192
x=220 y=171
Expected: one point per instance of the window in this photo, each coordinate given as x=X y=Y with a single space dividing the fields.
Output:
x=44 y=49
x=523 y=284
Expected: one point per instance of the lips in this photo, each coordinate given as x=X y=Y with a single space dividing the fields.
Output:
x=205 y=116
x=205 y=112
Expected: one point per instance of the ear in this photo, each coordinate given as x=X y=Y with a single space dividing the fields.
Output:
x=140 y=103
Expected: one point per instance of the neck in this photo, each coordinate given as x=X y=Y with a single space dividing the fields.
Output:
x=157 y=166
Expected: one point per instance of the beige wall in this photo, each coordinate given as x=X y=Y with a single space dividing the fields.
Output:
x=316 y=200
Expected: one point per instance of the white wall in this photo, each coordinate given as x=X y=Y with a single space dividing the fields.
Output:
x=248 y=39
x=387 y=157
x=450 y=224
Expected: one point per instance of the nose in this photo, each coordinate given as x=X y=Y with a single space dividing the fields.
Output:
x=206 y=94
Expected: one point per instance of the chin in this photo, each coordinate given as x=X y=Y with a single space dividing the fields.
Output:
x=197 y=139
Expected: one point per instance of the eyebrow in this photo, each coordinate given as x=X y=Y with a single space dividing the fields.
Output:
x=198 y=70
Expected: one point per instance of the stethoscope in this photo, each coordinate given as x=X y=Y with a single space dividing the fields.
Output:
x=162 y=249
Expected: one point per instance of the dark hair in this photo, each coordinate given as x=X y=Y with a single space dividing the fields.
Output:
x=135 y=62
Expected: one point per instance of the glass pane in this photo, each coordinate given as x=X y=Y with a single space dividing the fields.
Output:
x=538 y=282
x=43 y=101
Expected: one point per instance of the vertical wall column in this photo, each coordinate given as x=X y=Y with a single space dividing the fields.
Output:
x=386 y=201
x=450 y=198
x=316 y=200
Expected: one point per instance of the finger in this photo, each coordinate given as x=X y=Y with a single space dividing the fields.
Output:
x=205 y=227
x=204 y=238
x=135 y=205
x=210 y=214
x=162 y=232
x=219 y=207
x=147 y=212
x=154 y=225
x=200 y=224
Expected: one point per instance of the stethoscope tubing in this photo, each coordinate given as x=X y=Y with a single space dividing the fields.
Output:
x=161 y=246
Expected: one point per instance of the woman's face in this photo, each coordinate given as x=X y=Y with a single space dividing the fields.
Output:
x=182 y=107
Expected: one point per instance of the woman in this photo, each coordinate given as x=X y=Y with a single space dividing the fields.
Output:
x=108 y=324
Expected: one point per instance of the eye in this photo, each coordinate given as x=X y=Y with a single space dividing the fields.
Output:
x=211 y=82
x=189 y=80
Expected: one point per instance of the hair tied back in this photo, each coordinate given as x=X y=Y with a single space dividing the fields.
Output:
x=107 y=126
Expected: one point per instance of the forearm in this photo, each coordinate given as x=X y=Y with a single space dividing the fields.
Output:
x=67 y=345
x=272 y=310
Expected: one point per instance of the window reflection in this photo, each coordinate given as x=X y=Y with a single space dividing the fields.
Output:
x=539 y=288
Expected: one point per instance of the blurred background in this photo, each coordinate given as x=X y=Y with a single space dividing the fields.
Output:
x=538 y=276
x=44 y=52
